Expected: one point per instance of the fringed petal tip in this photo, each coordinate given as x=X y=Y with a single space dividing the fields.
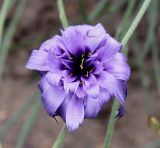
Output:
x=74 y=114
x=120 y=112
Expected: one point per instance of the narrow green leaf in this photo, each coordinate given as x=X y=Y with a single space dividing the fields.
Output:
x=7 y=5
x=97 y=10
x=9 y=35
x=135 y=22
x=64 y=132
x=62 y=14
x=29 y=123
x=124 y=42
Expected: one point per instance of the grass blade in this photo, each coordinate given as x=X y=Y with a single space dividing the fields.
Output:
x=29 y=123
x=7 y=4
x=97 y=10
x=64 y=132
x=9 y=35
x=62 y=14
x=124 y=42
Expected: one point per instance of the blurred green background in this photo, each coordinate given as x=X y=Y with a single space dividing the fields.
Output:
x=25 y=24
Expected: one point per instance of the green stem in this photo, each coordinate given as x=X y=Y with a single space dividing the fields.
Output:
x=152 y=18
x=62 y=14
x=64 y=132
x=28 y=124
x=82 y=10
x=4 y=48
x=135 y=22
x=3 y=14
x=124 y=42
x=141 y=66
x=97 y=10
x=125 y=22
x=111 y=124
x=6 y=6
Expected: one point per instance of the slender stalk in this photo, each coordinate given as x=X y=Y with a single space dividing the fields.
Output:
x=141 y=66
x=110 y=128
x=64 y=132
x=152 y=18
x=156 y=63
x=123 y=27
x=152 y=21
x=3 y=14
x=135 y=22
x=4 y=48
x=124 y=42
x=82 y=9
x=97 y=10
x=62 y=14
x=125 y=22
x=7 y=5
x=29 y=123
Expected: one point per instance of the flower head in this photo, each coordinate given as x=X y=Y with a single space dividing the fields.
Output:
x=81 y=70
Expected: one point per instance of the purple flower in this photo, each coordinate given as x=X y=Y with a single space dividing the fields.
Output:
x=80 y=72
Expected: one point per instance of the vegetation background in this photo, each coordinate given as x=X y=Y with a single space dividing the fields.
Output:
x=25 y=24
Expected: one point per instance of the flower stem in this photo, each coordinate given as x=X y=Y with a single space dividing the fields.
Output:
x=124 y=42
x=64 y=132
x=98 y=9
x=111 y=124
x=135 y=22
x=8 y=37
x=3 y=15
x=6 y=6
x=62 y=14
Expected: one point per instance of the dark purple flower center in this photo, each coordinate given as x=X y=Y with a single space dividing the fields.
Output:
x=80 y=65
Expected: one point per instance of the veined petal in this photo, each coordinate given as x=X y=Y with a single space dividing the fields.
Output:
x=104 y=96
x=69 y=64
x=38 y=61
x=43 y=84
x=80 y=92
x=118 y=67
x=107 y=81
x=92 y=107
x=52 y=97
x=53 y=78
x=74 y=42
x=96 y=37
x=97 y=31
x=62 y=110
x=92 y=90
x=49 y=44
x=71 y=87
x=68 y=76
x=89 y=80
x=75 y=113
x=98 y=67
x=111 y=48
